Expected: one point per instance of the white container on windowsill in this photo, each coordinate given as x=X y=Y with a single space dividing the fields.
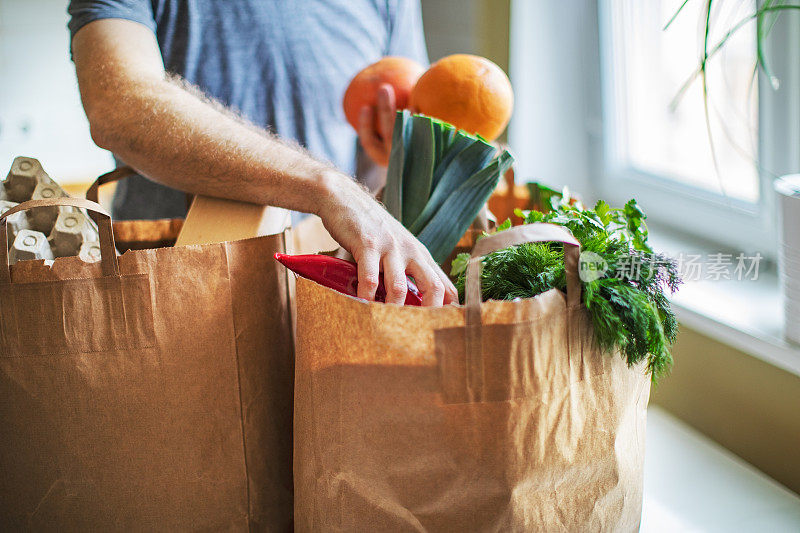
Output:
x=787 y=189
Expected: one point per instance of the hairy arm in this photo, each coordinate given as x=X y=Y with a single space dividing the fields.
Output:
x=175 y=136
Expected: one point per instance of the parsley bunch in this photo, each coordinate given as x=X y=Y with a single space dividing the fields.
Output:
x=628 y=304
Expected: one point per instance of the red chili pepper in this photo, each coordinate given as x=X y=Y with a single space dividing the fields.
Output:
x=339 y=275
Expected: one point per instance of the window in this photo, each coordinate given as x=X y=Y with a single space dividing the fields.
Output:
x=657 y=105
x=40 y=108
x=595 y=81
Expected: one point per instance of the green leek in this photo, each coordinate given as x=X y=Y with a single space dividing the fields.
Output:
x=438 y=179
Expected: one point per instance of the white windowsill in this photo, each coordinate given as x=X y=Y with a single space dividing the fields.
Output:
x=693 y=484
x=746 y=315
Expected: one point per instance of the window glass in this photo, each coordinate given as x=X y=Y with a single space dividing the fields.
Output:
x=649 y=66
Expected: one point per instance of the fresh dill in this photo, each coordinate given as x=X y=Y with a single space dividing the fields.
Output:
x=628 y=303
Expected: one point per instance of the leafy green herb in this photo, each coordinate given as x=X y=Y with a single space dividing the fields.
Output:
x=627 y=304
x=541 y=195
x=438 y=179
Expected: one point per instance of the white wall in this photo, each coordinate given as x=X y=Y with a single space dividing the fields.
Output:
x=451 y=27
x=40 y=111
x=551 y=129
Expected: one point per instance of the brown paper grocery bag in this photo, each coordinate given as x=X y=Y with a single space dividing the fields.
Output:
x=146 y=392
x=495 y=417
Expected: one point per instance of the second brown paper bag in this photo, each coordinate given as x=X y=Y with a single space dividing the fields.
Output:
x=495 y=417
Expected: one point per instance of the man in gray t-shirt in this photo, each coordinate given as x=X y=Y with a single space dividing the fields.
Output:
x=213 y=97
x=284 y=65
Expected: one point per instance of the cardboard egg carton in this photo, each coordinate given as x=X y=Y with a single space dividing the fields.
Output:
x=90 y=252
x=16 y=222
x=44 y=232
x=28 y=245
x=72 y=229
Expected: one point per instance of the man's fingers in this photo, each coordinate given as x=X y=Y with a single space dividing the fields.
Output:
x=450 y=292
x=366 y=125
x=428 y=283
x=394 y=279
x=368 y=269
x=370 y=140
x=386 y=113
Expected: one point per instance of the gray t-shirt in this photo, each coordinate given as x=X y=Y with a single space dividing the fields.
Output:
x=283 y=64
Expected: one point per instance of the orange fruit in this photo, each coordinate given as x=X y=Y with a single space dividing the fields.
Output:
x=468 y=91
x=399 y=72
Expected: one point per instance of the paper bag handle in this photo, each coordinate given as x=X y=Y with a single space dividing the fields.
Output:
x=108 y=255
x=109 y=177
x=92 y=193
x=539 y=232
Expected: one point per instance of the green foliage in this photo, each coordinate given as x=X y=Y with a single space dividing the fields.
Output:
x=541 y=195
x=627 y=305
x=438 y=179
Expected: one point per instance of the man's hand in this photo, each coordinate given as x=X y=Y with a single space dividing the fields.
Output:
x=376 y=125
x=378 y=242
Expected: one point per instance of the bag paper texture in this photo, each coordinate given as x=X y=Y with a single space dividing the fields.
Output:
x=147 y=392
x=432 y=419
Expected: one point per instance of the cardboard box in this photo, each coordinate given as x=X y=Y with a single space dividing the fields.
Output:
x=214 y=220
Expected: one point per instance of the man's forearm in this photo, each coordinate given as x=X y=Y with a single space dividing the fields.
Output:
x=177 y=137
